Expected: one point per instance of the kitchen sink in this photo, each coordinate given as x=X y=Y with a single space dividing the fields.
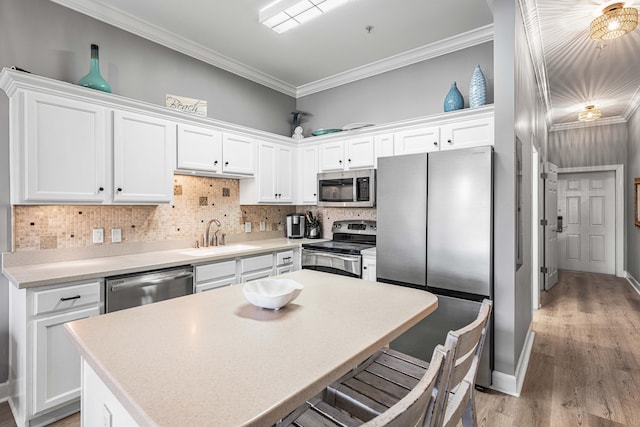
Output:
x=214 y=250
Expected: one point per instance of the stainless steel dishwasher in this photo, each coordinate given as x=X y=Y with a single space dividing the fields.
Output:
x=132 y=290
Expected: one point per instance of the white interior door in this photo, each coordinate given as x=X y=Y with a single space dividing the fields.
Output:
x=586 y=202
x=550 y=231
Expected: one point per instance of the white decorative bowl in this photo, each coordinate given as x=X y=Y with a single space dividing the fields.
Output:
x=272 y=293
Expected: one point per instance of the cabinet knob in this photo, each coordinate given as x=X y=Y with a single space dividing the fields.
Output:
x=349 y=160
x=101 y=189
x=279 y=194
x=340 y=161
x=119 y=189
x=226 y=163
x=364 y=268
x=435 y=143
x=315 y=194
x=449 y=141
x=215 y=162
x=275 y=195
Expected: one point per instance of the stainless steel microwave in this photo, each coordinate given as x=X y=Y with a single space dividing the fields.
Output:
x=356 y=188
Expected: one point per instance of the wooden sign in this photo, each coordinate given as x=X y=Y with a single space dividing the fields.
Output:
x=188 y=105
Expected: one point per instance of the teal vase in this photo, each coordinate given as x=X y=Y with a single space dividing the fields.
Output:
x=94 y=80
x=453 y=100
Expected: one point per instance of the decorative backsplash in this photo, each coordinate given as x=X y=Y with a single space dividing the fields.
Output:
x=196 y=201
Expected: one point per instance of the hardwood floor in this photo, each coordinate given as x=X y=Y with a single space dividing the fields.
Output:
x=584 y=368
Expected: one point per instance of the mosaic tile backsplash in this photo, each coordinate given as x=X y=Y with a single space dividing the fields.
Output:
x=196 y=201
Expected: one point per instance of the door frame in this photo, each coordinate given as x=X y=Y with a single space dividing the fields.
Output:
x=619 y=207
x=535 y=228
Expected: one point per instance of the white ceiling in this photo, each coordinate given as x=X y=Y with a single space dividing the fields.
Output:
x=336 y=48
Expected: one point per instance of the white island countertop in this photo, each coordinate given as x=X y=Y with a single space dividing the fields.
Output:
x=214 y=359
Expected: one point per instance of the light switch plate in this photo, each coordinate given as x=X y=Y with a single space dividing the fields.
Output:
x=247 y=227
x=263 y=226
x=98 y=235
x=116 y=235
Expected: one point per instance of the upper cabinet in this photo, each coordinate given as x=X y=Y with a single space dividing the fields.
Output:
x=273 y=182
x=308 y=175
x=143 y=158
x=422 y=140
x=64 y=151
x=353 y=153
x=237 y=152
x=468 y=133
x=199 y=149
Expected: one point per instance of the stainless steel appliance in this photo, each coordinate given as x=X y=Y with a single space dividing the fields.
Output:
x=295 y=226
x=342 y=255
x=435 y=232
x=132 y=290
x=355 y=188
x=312 y=227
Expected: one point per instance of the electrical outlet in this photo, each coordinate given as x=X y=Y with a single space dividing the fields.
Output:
x=247 y=227
x=98 y=235
x=263 y=226
x=116 y=235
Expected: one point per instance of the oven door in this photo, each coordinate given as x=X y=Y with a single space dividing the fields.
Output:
x=331 y=262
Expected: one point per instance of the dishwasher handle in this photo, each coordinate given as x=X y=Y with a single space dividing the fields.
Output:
x=148 y=279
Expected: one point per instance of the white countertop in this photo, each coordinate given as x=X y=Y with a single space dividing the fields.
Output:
x=49 y=273
x=214 y=359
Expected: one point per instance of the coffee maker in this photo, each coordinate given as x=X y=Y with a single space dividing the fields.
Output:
x=295 y=226
x=312 y=229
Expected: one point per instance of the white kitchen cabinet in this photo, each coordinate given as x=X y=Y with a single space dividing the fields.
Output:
x=59 y=149
x=100 y=407
x=383 y=146
x=369 y=266
x=199 y=149
x=355 y=153
x=215 y=275
x=273 y=182
x=308 y=175
x=467 y=133
x=238 y=153
x=256 y=267
x=423 y=140
x=57 y=361
x=45 y=365
x=143 y=158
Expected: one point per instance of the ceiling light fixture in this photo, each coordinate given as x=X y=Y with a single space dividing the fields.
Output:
x=615 y=21
x=283 y=15
x=590 y=114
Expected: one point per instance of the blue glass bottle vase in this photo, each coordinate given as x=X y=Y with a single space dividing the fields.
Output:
x=94 y=79
x=453 y=100
x=477 y=89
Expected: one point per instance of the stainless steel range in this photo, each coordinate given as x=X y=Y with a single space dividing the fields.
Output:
x=342 y=255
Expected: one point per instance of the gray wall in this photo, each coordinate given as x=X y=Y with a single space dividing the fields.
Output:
x=589 y=146
x=53 y=41
x=633 y=171
x=412 y=91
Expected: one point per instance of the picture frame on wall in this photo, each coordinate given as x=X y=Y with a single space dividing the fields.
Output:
x=636 y=202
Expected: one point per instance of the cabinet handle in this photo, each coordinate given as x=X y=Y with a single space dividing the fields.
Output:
x=101 y=189
x=435 y=143
x=449 y=141
x=215 y=162
x=315 y=194
x=364 y=268
x=119 y=189
x=349 y=160
x=70 y=298
x=340 y=161
x=275 y=195
x=226 y=163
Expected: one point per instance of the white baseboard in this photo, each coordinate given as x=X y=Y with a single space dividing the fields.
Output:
x=4 y=391
x=512 y=384
x=632 y=281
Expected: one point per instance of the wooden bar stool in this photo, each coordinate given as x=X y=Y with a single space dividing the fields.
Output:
x=412 y=410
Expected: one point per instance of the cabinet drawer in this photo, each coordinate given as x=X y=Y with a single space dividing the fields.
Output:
x=215 y=271
x=284 y=258
x=256 y=263
x=59 y=299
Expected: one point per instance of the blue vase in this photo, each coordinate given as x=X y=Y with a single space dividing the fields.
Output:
x=477 y=89
x=453 y=100
x=94 y=80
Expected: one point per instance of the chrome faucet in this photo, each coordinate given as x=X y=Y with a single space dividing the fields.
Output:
x=206 y=233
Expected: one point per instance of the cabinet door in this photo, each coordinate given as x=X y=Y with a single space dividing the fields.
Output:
x=383 y=146
x=284 y=181
x=214 y=284
x=255 y=275
x=144 y=158
x=267 y=191
x=468 y=133
x=284 y=269
x=237 y=154
x=308 y=174
x=369 y=269
x=421 y=140
x=360 y=153
x=199 y=149
x=332 y=156
x=65 y=150
x=57 y=361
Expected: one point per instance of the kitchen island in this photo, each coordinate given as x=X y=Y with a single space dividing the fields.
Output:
x=215 y=359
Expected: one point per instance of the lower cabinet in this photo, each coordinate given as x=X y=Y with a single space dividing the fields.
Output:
x=215 y=275
x=45 y=366
x=255 y=268
x=369 y=266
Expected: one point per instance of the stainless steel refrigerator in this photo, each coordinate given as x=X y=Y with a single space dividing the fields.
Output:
x=435 y=228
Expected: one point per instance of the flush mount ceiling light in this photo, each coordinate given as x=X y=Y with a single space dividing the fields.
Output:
x=615 y=21
x=589 y=114
x=283 y=15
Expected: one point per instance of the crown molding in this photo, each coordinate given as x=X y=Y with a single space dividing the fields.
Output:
x=632 y=106
x=600 y=122
x=432 y=50
x=119 y=19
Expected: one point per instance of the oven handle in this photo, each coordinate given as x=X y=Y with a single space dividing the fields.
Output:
x=332 y=255
x=151 y=279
